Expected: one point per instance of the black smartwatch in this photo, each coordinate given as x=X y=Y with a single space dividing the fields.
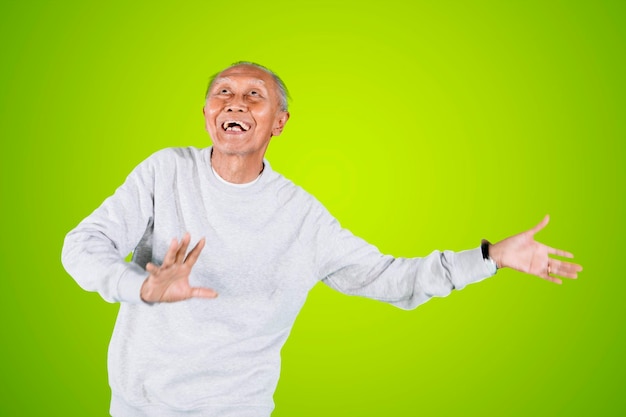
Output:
x=484 y=248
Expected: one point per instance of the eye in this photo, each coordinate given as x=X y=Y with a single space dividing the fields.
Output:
x=254 y=93
x=221 y=91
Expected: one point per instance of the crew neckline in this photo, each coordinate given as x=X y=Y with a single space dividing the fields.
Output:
x=229 y=187
x=233 y=184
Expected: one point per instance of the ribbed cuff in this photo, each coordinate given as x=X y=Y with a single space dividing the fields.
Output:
x=470 y=267
x=129 y=285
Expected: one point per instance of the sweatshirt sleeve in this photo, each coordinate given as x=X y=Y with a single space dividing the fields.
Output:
x=94 y=252
x=354 y=267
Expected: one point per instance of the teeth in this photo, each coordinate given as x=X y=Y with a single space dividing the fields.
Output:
x=239 y=125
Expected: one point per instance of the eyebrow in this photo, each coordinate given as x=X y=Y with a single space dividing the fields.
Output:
x=227 y=79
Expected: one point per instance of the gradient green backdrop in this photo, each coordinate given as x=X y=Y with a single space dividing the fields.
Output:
x=420 y=125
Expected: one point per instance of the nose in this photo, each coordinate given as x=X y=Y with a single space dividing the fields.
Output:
x=236 y=105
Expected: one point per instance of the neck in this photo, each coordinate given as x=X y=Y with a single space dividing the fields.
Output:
x=235 y=168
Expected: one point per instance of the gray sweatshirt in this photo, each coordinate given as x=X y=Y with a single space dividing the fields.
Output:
x=267 y=245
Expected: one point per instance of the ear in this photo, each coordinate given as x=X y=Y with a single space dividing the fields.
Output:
x=280 y=123
x=206 y=122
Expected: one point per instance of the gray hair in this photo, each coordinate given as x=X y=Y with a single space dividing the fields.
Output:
x=283 y=93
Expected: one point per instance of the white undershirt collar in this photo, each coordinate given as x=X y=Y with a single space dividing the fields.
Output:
x=232 y=184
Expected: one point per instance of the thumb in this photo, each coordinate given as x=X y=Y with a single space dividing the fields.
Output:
x=541 y=225
x=199 y=292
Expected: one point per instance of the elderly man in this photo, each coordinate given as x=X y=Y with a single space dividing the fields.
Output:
x=258 y=241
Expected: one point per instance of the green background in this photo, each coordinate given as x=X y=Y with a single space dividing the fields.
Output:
x=420 y=125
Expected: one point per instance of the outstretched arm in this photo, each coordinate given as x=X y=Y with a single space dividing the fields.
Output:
x=523 y=253
x=169 y=282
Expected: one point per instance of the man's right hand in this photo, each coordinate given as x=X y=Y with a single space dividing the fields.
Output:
x=170 y=281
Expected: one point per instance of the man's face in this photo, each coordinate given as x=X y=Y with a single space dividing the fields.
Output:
x=243 y=111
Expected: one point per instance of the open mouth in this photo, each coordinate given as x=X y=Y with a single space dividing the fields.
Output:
x=235 y=126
